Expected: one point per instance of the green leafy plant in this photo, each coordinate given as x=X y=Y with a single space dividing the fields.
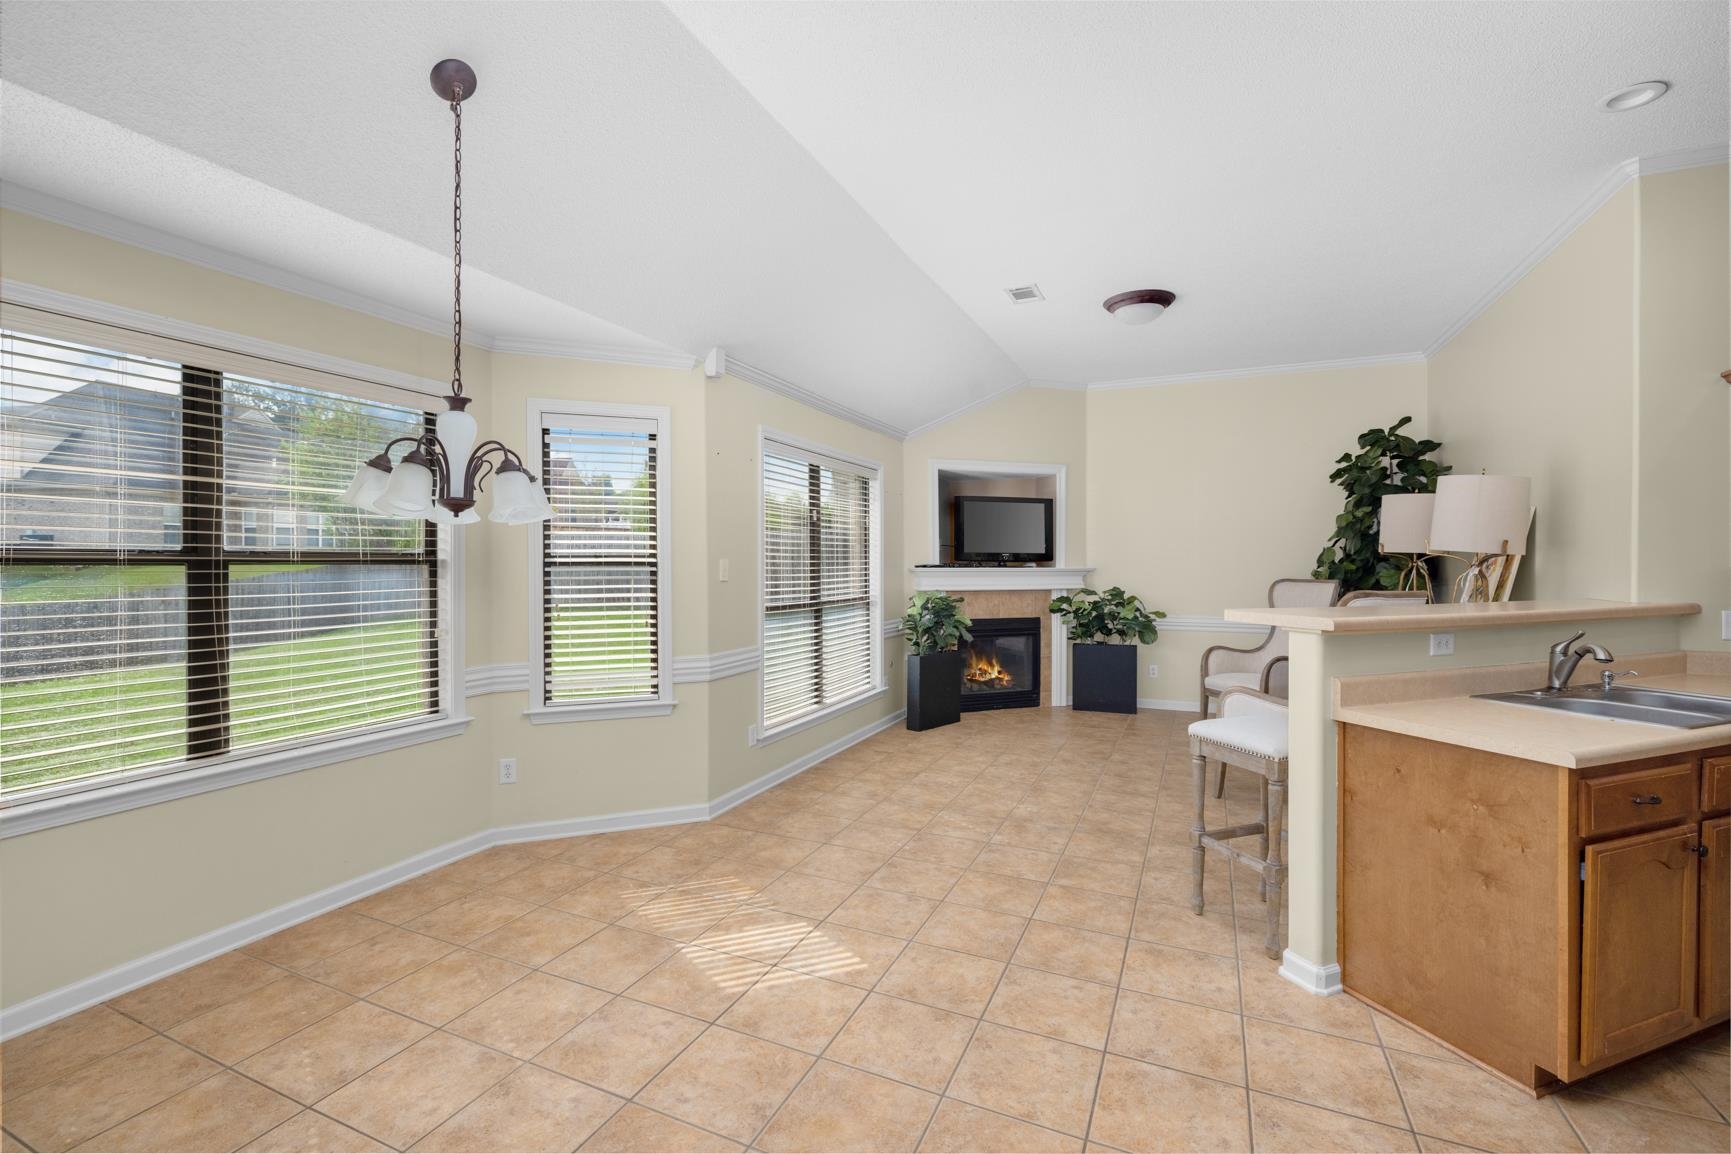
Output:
x=1110 y=616
x=935 y=622
x=1387 y=462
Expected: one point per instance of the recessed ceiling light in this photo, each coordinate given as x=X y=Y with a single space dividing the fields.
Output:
x=1023 y=293
x=1633 y=96
x=1139 y=306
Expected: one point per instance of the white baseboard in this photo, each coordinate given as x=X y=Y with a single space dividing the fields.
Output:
x=87 y=992
x=1308 y=976
x=69 y=999
x=1181 y=704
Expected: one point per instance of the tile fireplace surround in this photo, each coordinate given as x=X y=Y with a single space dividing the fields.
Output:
x=982 y=603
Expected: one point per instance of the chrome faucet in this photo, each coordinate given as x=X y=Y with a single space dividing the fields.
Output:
x=1564 y=663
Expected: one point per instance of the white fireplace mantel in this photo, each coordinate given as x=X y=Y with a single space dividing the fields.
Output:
x=964 y=577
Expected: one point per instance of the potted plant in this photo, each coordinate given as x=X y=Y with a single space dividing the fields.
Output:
x=1387 y=462
x=1104 y=628
x=933 y=626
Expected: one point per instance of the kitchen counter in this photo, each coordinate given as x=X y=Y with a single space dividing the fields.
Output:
x=1394 y=617
x=1440 y=708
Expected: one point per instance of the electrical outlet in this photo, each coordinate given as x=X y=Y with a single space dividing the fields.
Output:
x=507 y=771
x=721 y=570
x=1153 y=671
x=1442 y=644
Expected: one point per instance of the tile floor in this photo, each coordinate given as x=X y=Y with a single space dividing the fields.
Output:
x=969 y=939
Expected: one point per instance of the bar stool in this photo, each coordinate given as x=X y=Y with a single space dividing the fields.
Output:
x=1250 y=733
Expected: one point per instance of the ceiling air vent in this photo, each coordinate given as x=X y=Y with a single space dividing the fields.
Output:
x=1024 y=293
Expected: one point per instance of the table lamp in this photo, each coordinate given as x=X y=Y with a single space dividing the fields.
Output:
x=1485 y=517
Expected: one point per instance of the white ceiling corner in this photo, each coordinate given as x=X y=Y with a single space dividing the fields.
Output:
x=838 y=194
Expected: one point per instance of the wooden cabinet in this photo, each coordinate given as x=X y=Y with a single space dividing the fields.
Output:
x=1715 y=919
x=1638 y=942
x=1545 y=921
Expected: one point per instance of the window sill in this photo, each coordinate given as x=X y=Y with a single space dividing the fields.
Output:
x=602 y=711
x=758 y=736
x=169 y=783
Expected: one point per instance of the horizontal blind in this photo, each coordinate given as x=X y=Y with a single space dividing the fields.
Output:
x=178 y=578
x=600 y=560
x=817 y=583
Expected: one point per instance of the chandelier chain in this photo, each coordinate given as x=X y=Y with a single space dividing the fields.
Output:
x=457 y=247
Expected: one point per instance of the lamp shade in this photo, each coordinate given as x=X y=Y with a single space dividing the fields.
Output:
x=369 y=484
x=512 y=496
x=410 y=493
x=457 y=430
x=1405 y=522
x=1478 y=514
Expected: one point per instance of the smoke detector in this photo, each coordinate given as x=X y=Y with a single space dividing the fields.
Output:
x=1023 y=293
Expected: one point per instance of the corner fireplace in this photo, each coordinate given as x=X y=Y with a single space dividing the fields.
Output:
x=1001 y=665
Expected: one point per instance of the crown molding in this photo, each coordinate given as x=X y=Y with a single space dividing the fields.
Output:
x=1259 y=371
x=1609 y=186
x=989 y=398
x=72 y=215
x=35 y=296
x=765 y=379
x=1677 y=161
x=578 y=351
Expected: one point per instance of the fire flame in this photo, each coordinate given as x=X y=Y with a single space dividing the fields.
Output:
x=984 y=670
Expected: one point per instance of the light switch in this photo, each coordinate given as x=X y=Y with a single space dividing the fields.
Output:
x=721 y=569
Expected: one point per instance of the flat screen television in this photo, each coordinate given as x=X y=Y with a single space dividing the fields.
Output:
x=1003 y=529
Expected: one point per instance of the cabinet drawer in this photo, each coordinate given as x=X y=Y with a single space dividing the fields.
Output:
x=1716 y=785
x=1645 y=797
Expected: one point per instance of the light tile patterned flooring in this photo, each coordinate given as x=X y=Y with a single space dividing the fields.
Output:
x=974 y=938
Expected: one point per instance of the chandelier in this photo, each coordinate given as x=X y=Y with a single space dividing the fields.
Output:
x=443 y=470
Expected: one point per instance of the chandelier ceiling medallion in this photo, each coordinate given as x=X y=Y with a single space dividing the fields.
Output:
x=440 y=475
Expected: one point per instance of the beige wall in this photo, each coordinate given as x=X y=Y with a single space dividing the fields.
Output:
x=1598 y=376
x=82 y=898
x=1682 y=406
x=1201 y=494
x=1540 y=385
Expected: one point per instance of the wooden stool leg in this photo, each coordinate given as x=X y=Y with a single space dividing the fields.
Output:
x=1262 y=842
x=1220 y=785
x=1275 y=870
x=1199 y=786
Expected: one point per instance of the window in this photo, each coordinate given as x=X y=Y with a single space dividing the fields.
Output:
x=156 y=609
x=820 y=582
x=602 y=561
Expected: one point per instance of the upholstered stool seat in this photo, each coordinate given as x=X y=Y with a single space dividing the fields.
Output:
x=1250 y=733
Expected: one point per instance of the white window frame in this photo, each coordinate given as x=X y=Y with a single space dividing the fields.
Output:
x=540 y=711
x=50 y=313
x=760 y=733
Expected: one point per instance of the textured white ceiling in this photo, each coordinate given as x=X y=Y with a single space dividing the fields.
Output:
x=1315 y=181
x=838 y=193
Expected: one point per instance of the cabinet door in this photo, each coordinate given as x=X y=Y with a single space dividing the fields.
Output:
x=1716 y=919
x=1638 y=940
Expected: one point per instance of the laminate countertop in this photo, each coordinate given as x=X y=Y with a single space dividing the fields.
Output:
x=1397 y=617
x=1572 y=740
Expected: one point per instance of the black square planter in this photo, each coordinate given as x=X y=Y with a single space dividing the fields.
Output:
x=1103 y=678
x=934 y=689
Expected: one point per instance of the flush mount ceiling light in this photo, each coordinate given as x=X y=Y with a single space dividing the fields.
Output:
x=1139 y=306
x=1633 y=96
x=444 y=469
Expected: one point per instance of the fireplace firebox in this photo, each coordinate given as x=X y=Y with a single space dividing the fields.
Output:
x=1001 y=665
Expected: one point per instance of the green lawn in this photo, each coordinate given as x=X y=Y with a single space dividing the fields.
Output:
x=101 y=582
x=63 y=727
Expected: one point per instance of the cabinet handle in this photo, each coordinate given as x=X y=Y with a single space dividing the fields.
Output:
x=1650 y=799
x=1699 y=850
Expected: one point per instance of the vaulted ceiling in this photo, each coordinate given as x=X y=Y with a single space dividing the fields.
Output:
x=839 y=193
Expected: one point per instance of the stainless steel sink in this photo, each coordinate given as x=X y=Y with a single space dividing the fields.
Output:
x=1649 y=706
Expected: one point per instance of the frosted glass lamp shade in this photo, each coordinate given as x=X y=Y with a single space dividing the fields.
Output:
x=410 y=493
x=1481 y=514
x=512 y=496
x=456 y=430
x=369 y=484
x=1405 y=522
x=1141 y=313
x=439 y=515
